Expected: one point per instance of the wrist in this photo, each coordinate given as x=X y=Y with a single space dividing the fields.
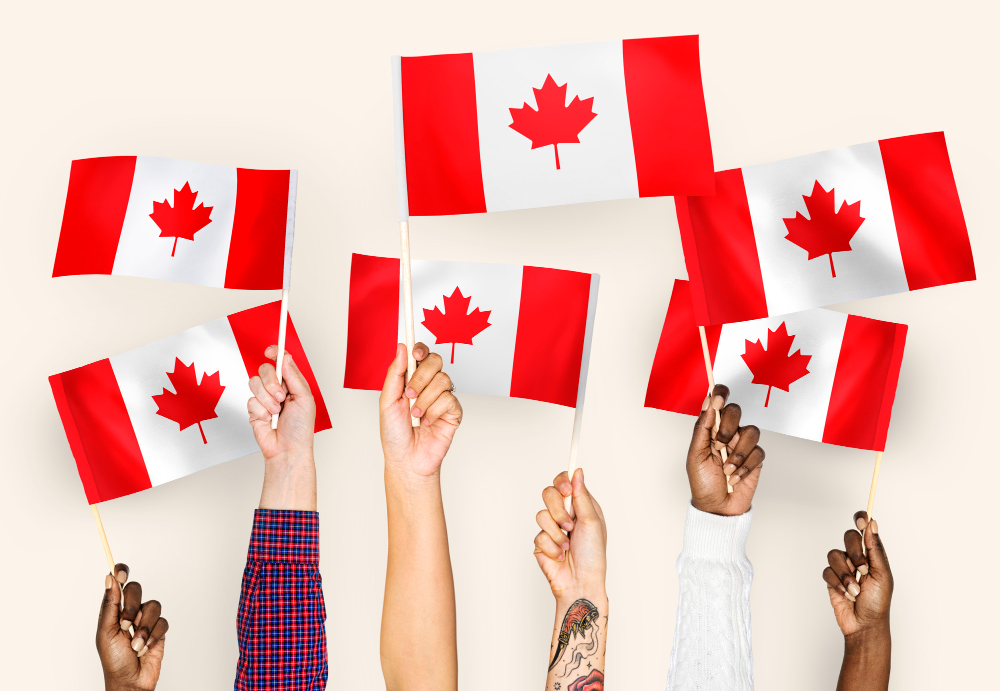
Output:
x=597 y=594
x=870 y=639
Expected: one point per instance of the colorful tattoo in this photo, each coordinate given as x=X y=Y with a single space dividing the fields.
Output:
x=580 y=616
x=592 y=682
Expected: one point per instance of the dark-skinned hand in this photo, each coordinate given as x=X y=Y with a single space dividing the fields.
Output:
x=130 y=662
x=859 y=579
x=708 y=474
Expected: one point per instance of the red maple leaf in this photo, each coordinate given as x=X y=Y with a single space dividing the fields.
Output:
x=825 y=231
x=773 y=366
x=193 y=403
x=554 y=122
x=456 y=324
x=181 y=220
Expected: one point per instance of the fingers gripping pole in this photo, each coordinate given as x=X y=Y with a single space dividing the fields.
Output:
x=574 y=448
x=404 y=261
x=711 y=383
x=282 y=327
x=871 y=493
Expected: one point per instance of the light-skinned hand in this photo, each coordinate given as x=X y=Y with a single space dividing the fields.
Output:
x=130 y=662
x=292 y=398
x=417 y=451
x=707 y=472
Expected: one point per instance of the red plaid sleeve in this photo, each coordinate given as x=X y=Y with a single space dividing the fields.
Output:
x=281 y=621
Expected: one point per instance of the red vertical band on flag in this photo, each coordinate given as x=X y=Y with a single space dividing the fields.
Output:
x=257 y=247
x=551 y=325
x=257 y=328
x=441 y=135
x=96 y=202
x=100 y=432
x=372 y=321
x=678 y=381
x=933 y=238
x=666 y=109
x=720 y=252
x=865 y=384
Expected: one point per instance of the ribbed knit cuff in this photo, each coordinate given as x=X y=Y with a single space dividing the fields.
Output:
x=285 y=536
x=718 y=538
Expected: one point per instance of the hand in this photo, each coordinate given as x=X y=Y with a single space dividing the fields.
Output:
x=574 y=564
x=707 y=473
x=417 y=450
x=860 y=604
x=292 y=398
x=131 y=663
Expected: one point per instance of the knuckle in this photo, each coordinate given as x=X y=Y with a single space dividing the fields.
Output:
x=540 y=516
x=833 y=555
x=434 y=360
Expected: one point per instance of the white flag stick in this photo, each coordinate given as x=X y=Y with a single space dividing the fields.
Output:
x=404 y=261
x=581 y=392
x=871 y=493
x=282 y=327
x=711 y=388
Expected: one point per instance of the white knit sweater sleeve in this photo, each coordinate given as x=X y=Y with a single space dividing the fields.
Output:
x=712 y=641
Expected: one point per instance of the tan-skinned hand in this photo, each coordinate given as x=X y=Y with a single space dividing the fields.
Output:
x=707 y=472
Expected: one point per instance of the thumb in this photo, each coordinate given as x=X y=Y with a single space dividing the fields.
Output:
x=108 y=622
x=878 y=561
x=392 y=389
x=701 y=440
x=583 y=503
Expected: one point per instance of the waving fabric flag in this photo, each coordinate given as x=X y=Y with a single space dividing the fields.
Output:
x=818 y=374
x=172 y=407
x=502 y=329
x=179 y=221
x=550 y=125
x=845 y=224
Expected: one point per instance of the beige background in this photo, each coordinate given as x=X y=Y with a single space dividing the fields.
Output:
x=307 y=85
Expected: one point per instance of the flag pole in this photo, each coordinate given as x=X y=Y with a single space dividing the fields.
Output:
x=871 y=493
x=711 y=388
x=282 y=327
x=404 y=261
x=107 y=553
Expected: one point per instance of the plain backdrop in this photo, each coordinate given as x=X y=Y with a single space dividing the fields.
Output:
x=306 y=85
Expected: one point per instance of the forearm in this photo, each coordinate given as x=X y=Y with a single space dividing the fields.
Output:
x=867 y=657
x=418 y=640
x=579 y=640
x=289 y=483
x=711 y=650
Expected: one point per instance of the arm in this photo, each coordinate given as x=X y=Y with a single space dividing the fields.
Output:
x=418 y=640
x=575 y=564
x=130 y=662
x=281 y=620
x=712 y=637
x=860 y=585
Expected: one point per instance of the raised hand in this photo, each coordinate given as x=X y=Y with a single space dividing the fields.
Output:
x=417 y=450
x=130 y=662
x=289 y=467
x=707 y=472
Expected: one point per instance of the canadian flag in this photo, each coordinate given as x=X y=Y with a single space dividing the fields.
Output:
x=550 y=125
x=502 y=329
x=817 y=374
x=845 y=224
x=172 y=407
x=178 y=221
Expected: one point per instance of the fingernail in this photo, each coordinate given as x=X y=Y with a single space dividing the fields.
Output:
x=850 y=566
x=874 y=526
x=143 y=651
x=850 y=597
x=854 y=590
x=125 y=623
x=107 y=581
x=863 y=569
x=137 y=644
x=862 y=523
x=565 y=547
x=729 y=469
x=426 y=422
x=410 y=393
x=416 y=412
x=567 y=526
x=707 y=402
x=275 y=409
x=717 y=402
x=279 y=396
x=566 y=489
x=733 y=479
x=122 y=577
x=562 y=557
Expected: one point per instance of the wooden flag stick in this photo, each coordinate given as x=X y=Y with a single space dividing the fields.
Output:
x=282 y=327
x=711 y=387
x=871 y=493
x=574 y=448
x=104 y=539
x=404 y=261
